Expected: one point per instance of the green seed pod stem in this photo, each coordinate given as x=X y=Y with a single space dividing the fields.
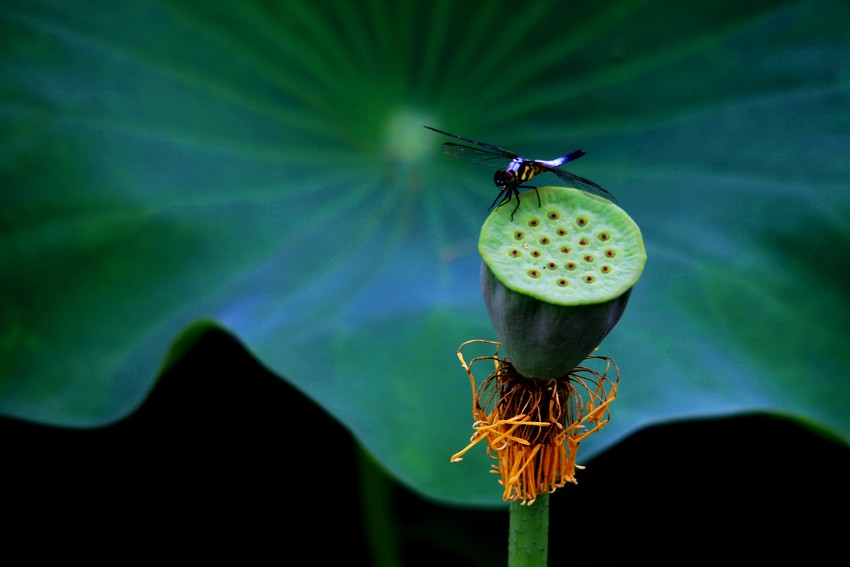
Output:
x=556 y=279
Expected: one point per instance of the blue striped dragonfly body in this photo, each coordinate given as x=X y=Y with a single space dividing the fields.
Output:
x=513 y=177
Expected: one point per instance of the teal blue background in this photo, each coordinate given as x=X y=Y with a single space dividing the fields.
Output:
x=261 y=167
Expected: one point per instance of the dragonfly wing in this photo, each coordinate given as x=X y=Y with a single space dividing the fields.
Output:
x=496 y=149
x=583 y=184
x=487 y=157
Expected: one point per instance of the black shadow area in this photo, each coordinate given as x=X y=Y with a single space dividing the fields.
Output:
x=225 y=460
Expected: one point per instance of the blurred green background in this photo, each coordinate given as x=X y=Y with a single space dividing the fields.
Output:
x=170 y=167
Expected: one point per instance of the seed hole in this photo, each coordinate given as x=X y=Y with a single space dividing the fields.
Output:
x=533 y=222
x=565 y=249
x=588 y=279
x=515 y=253
x=610 y=253
x=604 y=236
x=605 y=269
x=535 y=253
x=552 y=266
x=519 y=235
x=544 y=241
x=534 y=273
x=583 y=242
x=562 y=232
x=570 y=265
x=562 y=282
x=553 y=215
x=581 y=221
x=588 y=258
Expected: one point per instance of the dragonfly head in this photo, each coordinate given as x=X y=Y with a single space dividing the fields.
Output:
x=504 y=179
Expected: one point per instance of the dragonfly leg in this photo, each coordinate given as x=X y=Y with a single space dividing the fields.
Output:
x=515 y=192
x=499 y=196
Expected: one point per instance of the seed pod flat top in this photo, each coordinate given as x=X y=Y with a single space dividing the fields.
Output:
x=574 y=249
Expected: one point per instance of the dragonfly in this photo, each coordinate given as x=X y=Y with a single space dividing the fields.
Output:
x=519 y=170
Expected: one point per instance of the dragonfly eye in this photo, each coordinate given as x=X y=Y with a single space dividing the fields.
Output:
x=503 y=178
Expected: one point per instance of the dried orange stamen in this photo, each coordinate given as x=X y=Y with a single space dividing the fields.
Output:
x=533 y=428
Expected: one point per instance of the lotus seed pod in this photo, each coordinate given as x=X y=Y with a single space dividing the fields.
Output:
x=556 y=279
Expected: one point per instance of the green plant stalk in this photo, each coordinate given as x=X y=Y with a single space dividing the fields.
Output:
x=376 y=501
x=528 y=536
x=556 y=279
